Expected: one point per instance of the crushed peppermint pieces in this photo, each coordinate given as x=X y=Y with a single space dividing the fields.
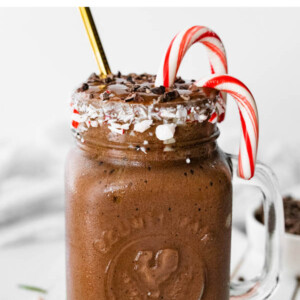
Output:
x=134 y=105
x=143 y=125
x=143 y=149
x=140 y=116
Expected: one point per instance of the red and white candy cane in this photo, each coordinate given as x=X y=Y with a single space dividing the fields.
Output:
x=248 y=115
x=179 y=46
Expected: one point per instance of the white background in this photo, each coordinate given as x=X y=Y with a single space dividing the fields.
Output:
x=45 y=53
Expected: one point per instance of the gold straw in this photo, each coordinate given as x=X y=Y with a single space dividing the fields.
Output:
x=95 y=41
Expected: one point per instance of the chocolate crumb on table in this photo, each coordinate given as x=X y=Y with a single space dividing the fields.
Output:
x=291 y=215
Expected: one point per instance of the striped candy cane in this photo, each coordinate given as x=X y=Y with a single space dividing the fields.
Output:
x=248 y=115
x=179 y=46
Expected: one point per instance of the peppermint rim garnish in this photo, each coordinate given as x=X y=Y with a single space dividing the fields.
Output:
x=121 y=117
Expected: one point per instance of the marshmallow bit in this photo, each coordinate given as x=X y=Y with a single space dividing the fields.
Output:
x=143 y=125
x=165 y=132
x=188 y=161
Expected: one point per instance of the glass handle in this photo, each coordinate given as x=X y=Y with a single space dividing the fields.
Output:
x=262 y=286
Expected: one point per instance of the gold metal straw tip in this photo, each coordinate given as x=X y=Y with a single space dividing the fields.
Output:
x=95 y=41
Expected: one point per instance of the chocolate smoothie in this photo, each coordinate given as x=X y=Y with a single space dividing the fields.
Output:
x=148 y=193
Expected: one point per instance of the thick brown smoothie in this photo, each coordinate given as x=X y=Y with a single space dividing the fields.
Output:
x=148 y=209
